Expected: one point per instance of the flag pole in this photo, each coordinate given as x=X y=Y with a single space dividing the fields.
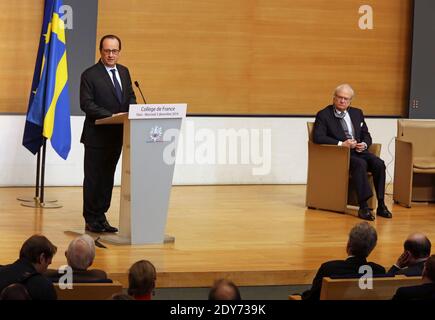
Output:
x=40 y=181
x=44 y=147
x=36 y=198
x=38 y=163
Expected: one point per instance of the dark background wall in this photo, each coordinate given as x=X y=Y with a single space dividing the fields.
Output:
x=81 y=41
x=422 y=92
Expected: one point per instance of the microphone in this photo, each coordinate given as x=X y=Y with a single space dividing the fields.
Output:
x=137 y=85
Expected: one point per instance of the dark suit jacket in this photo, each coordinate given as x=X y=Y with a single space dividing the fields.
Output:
x=328 y=129
x=93 y=275
x=22 y=271
x=414 y=270
x=348 y=267
x=98 y=100
x=422 y=292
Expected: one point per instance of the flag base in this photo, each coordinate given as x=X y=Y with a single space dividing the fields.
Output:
x=33 y=199
x=38 y=204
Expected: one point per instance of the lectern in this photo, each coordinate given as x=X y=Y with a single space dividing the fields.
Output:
x=151 y=134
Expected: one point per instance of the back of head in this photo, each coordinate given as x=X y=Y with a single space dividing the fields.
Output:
x=418 y=245
x=362 y=240
x=15 y=291
x=121 y=296
x=81 y=252
x=224 y=290
x=141 y=278
x=35 y=246
x=429 y=269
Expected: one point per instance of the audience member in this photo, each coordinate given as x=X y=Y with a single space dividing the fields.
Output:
x=141 y=280
x=425 y=291
x=36 y=255
x=224 y=290
x=121 y=296
x=362 y=240
x=15 y=291
x=416 y=251
x=80 y=255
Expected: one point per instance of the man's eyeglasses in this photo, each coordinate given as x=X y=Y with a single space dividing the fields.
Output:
x=343 y=98
x=113 y=51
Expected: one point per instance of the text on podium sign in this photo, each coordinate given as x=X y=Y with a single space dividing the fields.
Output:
x=157 y=111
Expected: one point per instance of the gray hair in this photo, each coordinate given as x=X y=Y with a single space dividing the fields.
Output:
x=362 y=240
x=81 y=252
x=344 y=86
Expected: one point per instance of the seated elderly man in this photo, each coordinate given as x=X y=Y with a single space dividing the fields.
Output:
x=416 y=250
x=80 y=256
x=362 y=240
x=343 y=125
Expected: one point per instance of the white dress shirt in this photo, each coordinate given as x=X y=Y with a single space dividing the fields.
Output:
x=111 y=75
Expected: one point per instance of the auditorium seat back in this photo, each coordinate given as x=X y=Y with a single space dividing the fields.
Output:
x=88 y=291
x=383 y=288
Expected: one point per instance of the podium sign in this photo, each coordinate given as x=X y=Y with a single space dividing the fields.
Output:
x=157 y=111
x=151 y=134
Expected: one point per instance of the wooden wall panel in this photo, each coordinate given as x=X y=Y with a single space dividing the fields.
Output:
x=20 y=27
x=239 y=56
x=304 y=51
x=265 y=56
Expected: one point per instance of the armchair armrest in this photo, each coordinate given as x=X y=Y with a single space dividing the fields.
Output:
x=375 y=148
x=403 y=173
x=327 y=165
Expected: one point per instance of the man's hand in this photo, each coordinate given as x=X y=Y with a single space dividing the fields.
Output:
x=403 y=260
x=349 y=143
x=360 y=147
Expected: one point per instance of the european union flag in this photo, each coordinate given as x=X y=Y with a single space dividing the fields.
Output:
x=48 y=114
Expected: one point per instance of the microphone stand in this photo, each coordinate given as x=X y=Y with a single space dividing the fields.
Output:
x=137 y=86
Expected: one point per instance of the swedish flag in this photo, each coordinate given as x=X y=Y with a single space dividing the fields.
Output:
x=48 y=114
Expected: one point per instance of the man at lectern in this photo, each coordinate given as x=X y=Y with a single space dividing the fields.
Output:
x=343 y=125
x=105 y=90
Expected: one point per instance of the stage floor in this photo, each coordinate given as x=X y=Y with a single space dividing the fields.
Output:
x=253 y=234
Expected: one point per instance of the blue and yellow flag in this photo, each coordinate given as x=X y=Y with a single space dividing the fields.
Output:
x=48 y=114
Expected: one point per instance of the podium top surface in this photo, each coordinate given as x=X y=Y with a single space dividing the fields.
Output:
x=118 y=118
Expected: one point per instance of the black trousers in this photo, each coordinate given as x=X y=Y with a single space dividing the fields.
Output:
x=99 y=169
x=360 y=164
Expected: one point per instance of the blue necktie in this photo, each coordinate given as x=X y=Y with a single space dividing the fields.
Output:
x=117 y=85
